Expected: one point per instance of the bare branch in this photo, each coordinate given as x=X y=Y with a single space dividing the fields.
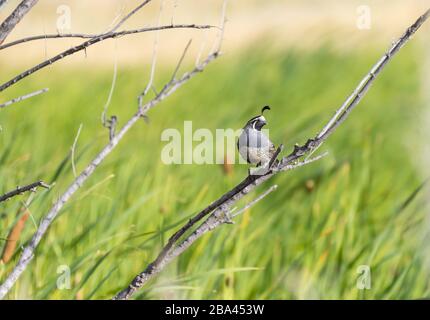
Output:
x=72 y=35
x=132 y=12
x=220 y=215
x=202 y=48
x=359 y=92
x=28 y=251
x=24 y=97
x=217 y=218
x=49 y=36
x=218 y=44
x=91 y=42
x=112 y=88
x=223 y=204
x=20 y=190
x=154 y=60
x=7 y=26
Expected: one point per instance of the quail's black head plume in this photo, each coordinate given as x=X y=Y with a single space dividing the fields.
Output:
x=264 y=108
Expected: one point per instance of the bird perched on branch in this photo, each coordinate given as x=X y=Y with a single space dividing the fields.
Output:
x=253 y=145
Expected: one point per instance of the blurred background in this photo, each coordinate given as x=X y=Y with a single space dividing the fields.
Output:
x=366 y=204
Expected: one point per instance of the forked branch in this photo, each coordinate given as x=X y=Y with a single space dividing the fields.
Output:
x=46 y=221
x=112 y=33
x=218 y=209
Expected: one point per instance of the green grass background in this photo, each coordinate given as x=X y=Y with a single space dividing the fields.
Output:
x=296 y=244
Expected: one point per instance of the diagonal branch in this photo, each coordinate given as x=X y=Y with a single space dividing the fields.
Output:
x=218 y=217
x=153 y=62
x=215 y=220
x=24 y=97
x=91 y=42
x=132 y=12
x=287 y=163
x=78 y=35
x=7 y=26
x=21 y=190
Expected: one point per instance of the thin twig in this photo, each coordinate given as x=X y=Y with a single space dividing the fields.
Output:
x=115 y=20
x=221 y=31
x=112 y=126
x=249 y=205
x=132 y=12
x=20 y=190
x=112 y=88
x=75 y=141
x=299 y=164
x=24 y=97
x=15 y=17
x=178 y=65
x=53 y=36
x=154 y=60
x=221 y=205
x=202 y=48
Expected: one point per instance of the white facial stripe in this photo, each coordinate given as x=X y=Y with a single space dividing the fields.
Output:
x=257 y=119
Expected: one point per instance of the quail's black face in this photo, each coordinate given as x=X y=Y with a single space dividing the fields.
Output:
x=257 y=122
